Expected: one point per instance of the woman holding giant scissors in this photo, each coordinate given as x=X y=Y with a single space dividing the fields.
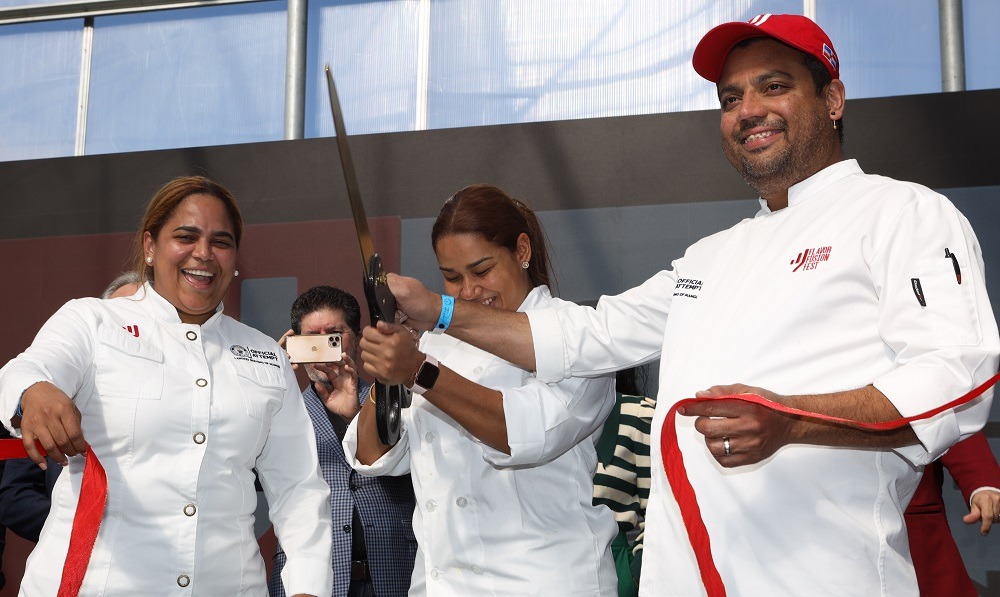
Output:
x=502 y=464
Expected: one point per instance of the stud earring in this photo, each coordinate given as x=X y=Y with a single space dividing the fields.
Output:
x=524 y=265
x=236 y=273
x=149 y=260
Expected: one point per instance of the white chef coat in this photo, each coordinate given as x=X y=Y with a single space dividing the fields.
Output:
x=810 y=299
x=488 y=523
x=179 y=415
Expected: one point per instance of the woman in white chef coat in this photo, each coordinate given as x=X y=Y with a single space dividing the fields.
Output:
x=502 y=464
x=180 y=403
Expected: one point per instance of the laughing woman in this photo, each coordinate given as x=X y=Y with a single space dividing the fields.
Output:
x=502 y=464
x=180 y=403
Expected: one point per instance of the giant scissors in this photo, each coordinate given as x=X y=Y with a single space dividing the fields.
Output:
x=389 y=400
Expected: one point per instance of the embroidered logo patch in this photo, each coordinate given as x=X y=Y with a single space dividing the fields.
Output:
x=263 y=357
x=811 y=258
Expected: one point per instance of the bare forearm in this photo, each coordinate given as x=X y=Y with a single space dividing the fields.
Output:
x=506 y=334
x=370 y=448
x=477 y=409
x=865 y=404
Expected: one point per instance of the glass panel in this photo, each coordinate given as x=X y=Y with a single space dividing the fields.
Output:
x=981 y=19
x=862 y=32
x=40 y=70
x=189 y=77
x=493 y=64
x=372 y=50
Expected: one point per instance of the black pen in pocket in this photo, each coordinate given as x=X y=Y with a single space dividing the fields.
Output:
x=954 y=263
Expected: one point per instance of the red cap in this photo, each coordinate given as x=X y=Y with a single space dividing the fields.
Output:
x=794 y=30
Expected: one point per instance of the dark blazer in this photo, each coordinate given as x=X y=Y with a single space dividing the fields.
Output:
x=385 y=505
x=26 y=494
x=936 y=559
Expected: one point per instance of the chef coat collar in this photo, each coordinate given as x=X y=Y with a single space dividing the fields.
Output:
x=801 y=192
x=165 y=311
x=538 y=297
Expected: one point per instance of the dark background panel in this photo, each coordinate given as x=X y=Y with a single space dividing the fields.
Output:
x=939 y=140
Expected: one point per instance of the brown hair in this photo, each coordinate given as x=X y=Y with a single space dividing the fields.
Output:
x=488 y=212
x=165 y=202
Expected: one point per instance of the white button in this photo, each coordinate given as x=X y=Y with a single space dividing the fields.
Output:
x=462 y=502
x=435 y=574
x=477 y=569
x=183 y=580
x=190 y=510
x=477 y=370
x=430 y=505
x=463 y=432
x=199 y=438
x=192 y=336
x=429 y=437
x=201 y=382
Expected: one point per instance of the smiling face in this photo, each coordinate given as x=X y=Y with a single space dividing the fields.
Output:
x=194 y=257
x=475 y=269
x=776 y=130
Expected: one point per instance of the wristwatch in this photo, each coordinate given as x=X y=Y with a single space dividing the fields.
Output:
x=427 y=375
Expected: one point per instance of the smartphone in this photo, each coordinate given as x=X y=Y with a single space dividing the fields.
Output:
x=316 y=348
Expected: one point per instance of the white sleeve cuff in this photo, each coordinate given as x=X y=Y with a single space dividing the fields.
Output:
x=393 y=463
x=550 y=350
x=983 y=488
x=305 y=576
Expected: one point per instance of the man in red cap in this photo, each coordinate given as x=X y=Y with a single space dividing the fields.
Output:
x=848 y=294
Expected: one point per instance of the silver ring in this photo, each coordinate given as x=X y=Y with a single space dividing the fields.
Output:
x=725 y=444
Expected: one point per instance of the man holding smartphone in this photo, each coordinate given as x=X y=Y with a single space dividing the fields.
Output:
x=373 y=541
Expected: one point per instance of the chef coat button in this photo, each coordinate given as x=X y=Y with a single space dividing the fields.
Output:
x=190 y=509
x=183 y=580
x=462 y=502
x=462 y=432
x=430 y=505
x=435 y=574
x=192 y=336
x=347 y=528
x=201 y=382
x=477 y=569
x=429 y=437
x=477 y=370
x=199 y=438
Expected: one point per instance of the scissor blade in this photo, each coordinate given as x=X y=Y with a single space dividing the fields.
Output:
x=353 y=191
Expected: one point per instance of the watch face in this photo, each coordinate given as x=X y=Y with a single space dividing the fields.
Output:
x=427 y=375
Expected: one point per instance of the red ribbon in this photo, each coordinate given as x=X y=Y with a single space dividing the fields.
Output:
x=687 y=501
x=86 y=520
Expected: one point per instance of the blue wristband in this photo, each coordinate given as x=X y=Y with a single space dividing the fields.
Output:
x=447 y=310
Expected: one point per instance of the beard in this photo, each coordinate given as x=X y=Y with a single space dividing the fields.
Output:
x=319 y=378
x=781 y=167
